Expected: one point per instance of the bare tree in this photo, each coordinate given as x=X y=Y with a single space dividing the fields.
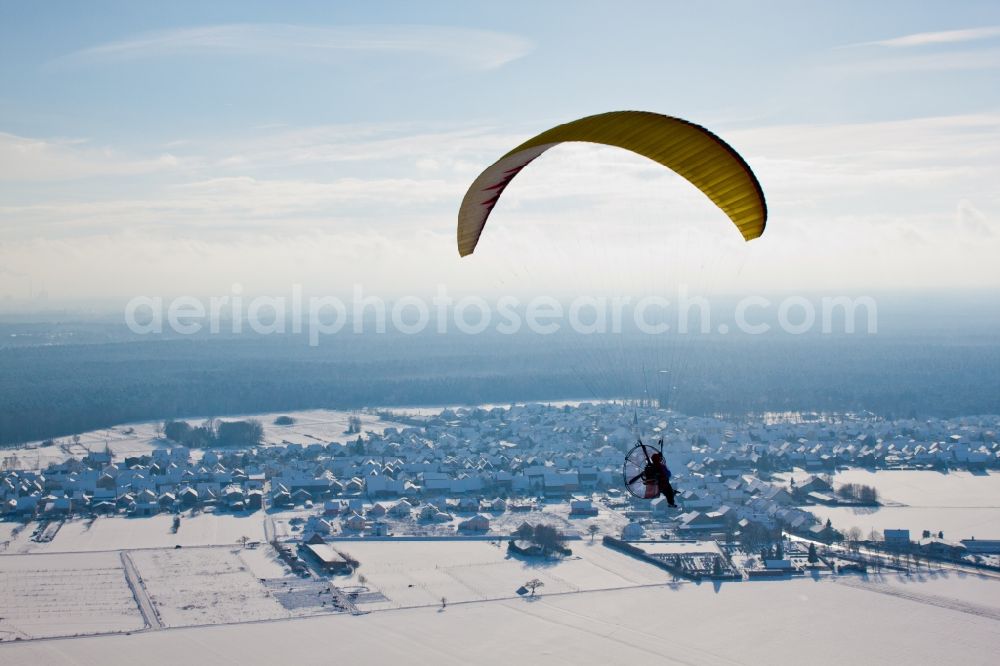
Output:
x=875 y=543
x=444 y=602
x=533 y=585
x=592 y=531
x=853 y=536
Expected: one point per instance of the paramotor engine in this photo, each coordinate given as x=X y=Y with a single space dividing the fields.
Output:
x=638 y=474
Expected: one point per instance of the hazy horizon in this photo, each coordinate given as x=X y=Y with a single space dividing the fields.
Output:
x=234 y=324
x=164 y=152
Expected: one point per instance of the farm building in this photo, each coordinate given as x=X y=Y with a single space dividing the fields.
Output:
x=328 y=558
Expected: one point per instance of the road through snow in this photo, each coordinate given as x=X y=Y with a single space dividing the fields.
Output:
x=149 y=613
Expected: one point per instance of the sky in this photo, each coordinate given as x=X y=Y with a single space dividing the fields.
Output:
x=180 y=148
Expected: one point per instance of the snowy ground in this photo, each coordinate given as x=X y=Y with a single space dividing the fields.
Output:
x=969 y=593
x=318 y=426
x=119 y=532
x=204 y=586
x=922 y=488
x=218 y=585
x=10 y=533
x=926 y=488
x=414 y=573
x=956 y=523
x=961 y=504
x=779 y=622
x=595 y=605
x=311 y=427
x=64 y=595
x=263 y=562
x=124 y=440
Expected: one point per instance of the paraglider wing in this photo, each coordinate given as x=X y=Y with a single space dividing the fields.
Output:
x=704 y=159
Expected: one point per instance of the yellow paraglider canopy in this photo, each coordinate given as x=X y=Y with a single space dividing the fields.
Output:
x=708 y=162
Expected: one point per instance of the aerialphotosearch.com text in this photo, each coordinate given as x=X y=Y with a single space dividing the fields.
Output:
x=362 y=312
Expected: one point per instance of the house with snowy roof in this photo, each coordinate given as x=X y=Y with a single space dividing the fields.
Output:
x=477 y=523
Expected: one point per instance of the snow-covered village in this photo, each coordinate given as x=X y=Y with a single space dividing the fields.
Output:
x=499 y=334
x=126 y=530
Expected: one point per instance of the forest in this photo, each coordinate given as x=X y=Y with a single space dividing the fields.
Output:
x=56 y=390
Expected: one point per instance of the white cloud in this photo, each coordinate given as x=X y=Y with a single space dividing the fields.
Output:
x=851 y=204
x=925 y=62
x=934 y=142
x=940 y=37
x=974 y=223
x=399 y=145
x=27 y=159
x=940 y=51
x=235 y=206
x=478 y=49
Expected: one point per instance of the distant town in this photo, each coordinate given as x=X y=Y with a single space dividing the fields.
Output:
x=493 y=473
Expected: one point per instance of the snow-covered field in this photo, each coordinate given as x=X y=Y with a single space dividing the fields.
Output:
x=956 y=523
x=9 y=533
x=217 y=585
x=124 y=440
x=414 y=573
x=263 y=562
x=311 y=427
x=961 y=504
x=926 y=488
x=119 y=532
x=781 y=622
x=922 y=488
x=204 y=586
x=595 y=606
x=318 y=426
x=968 y=593
x=64 y=595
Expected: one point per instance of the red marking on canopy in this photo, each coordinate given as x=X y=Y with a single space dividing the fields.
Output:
x=491 y=202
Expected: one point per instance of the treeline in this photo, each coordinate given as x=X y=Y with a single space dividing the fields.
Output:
x=859 y=492
x=547 y=538
x=57 y=391
x=213 y=433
